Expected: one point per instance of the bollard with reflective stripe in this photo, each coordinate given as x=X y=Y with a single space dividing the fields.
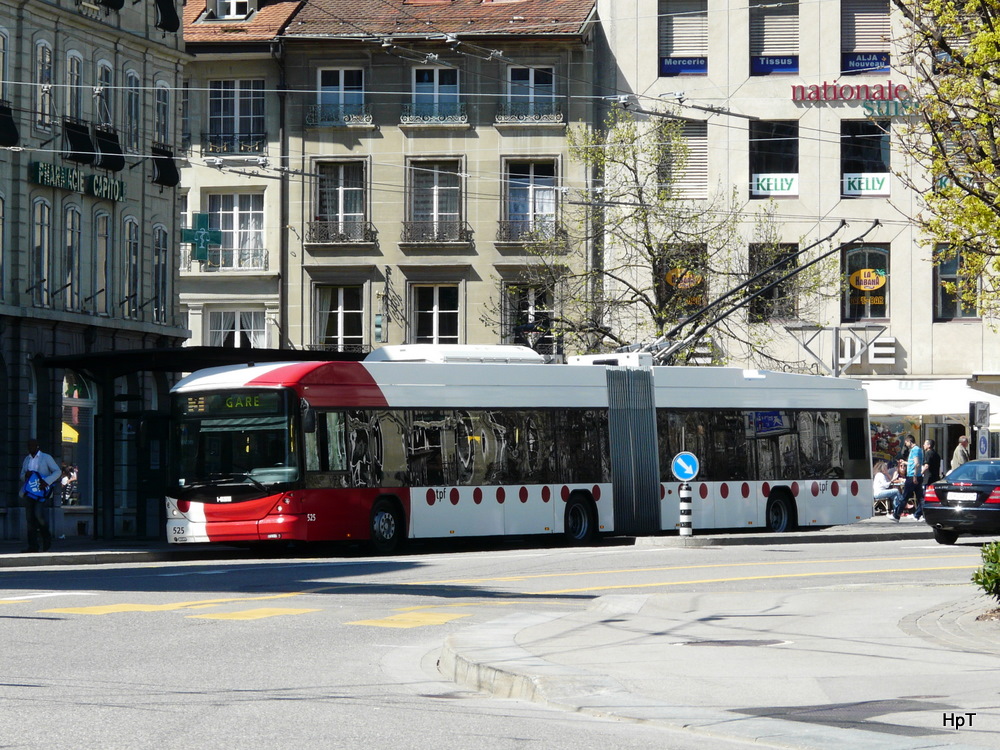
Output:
x=685 y=522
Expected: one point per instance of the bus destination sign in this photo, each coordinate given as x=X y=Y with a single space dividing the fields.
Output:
x=237 y=403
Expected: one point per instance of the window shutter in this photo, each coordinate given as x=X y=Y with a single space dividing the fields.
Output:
x=683 y=28
x=864 y=25
x=775 y=30
x=693 y=182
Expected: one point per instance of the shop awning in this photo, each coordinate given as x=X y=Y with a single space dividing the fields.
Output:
x=166 y=16
x=945 y=397
x=8 y=128
x=109 y=150
x=164 y=170
x=78 y=144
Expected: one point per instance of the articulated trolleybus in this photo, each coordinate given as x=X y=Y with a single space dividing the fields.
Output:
x=420 y=442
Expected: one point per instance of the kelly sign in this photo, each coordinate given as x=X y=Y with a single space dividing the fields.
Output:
x=867 y=184
x=775 y=184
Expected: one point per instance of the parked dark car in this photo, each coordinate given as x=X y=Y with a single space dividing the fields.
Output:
x=967 y=501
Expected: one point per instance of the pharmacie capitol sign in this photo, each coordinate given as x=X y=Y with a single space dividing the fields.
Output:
x=69 y=178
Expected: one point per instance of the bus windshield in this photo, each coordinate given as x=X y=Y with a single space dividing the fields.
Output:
x=234 y=438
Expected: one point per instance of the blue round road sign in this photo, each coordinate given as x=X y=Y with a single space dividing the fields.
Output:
x=684 y=466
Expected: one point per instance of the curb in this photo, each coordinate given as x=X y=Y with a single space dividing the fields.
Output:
x=488 y=659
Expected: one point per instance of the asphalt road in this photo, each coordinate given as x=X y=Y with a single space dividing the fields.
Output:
x=344 y=652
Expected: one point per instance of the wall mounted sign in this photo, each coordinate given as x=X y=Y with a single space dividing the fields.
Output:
x=675 y=66
x=864 y=62
x=69 y=178
x=761 y=65
x=869 y=184
x=834 y=91
x=775 y=184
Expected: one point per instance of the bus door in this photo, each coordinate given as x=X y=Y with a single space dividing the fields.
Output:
x=635 y=465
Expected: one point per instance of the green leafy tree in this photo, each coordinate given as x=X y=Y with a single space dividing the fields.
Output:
x=638 y=251
x=950 y=55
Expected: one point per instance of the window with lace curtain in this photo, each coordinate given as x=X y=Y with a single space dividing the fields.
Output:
x=340 y=198
x=340 y=324
x=237 y=329
x=240 y=218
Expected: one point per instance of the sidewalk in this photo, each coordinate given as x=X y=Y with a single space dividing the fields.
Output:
x=882 y=667
x=84 y=551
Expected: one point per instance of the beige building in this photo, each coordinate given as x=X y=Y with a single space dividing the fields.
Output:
x=88 y=273
x=801 y=104
x=376 y=168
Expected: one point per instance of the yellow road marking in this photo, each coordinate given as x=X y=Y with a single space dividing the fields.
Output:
x=254 y=614
x=704 y=566
x=115 y=608
x=412 y=619
x=751 y=578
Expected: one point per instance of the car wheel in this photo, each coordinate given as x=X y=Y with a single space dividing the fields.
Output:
x=945 y=536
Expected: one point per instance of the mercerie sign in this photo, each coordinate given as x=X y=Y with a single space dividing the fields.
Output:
x=877 y=99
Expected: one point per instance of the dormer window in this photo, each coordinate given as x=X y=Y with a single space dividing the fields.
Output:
x=229 y=9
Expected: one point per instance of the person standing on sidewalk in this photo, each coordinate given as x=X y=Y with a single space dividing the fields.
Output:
x=912 y=488
x=46 y=467
x=930 y=473
x=961 y=454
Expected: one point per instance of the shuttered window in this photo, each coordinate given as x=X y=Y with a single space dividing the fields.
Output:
x=864 y=25
x=774 y=29
x=693 y=183
x=683 y=28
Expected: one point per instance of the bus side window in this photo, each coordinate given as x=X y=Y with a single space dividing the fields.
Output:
x=336 y=446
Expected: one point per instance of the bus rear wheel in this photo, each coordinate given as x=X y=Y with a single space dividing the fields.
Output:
x=579 y=525
x=387 y=526
x=780 y=514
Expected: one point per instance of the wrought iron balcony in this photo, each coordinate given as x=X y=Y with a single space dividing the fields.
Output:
x=234 y=143
x=451 y=113
x=526 y=113
x=436 y=231
x=338 y=115
x=340 y=232
x=539 y=229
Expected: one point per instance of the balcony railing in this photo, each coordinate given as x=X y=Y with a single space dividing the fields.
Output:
x=227 y=259
x=518 y=113
x=340 y=232
x=338 y=115
x=436 y=231
x=234 y=143
x=451 y=113
x=539 y=229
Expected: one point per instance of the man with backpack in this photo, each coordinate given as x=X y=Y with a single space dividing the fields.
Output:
x=39 y=471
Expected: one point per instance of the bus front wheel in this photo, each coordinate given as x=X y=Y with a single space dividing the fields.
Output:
x=580 y=526
x=780 y=514
x=387 y=526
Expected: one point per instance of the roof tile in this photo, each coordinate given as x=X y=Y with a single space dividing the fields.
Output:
x=480 y=18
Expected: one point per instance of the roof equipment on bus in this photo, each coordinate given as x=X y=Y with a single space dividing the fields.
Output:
x=455 y=353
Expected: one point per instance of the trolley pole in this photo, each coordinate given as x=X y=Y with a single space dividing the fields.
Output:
x=685 y=508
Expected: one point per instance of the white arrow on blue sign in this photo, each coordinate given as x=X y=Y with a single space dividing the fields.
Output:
x=685 y=466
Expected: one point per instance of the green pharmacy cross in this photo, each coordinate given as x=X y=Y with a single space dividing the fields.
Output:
x=200 y=237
